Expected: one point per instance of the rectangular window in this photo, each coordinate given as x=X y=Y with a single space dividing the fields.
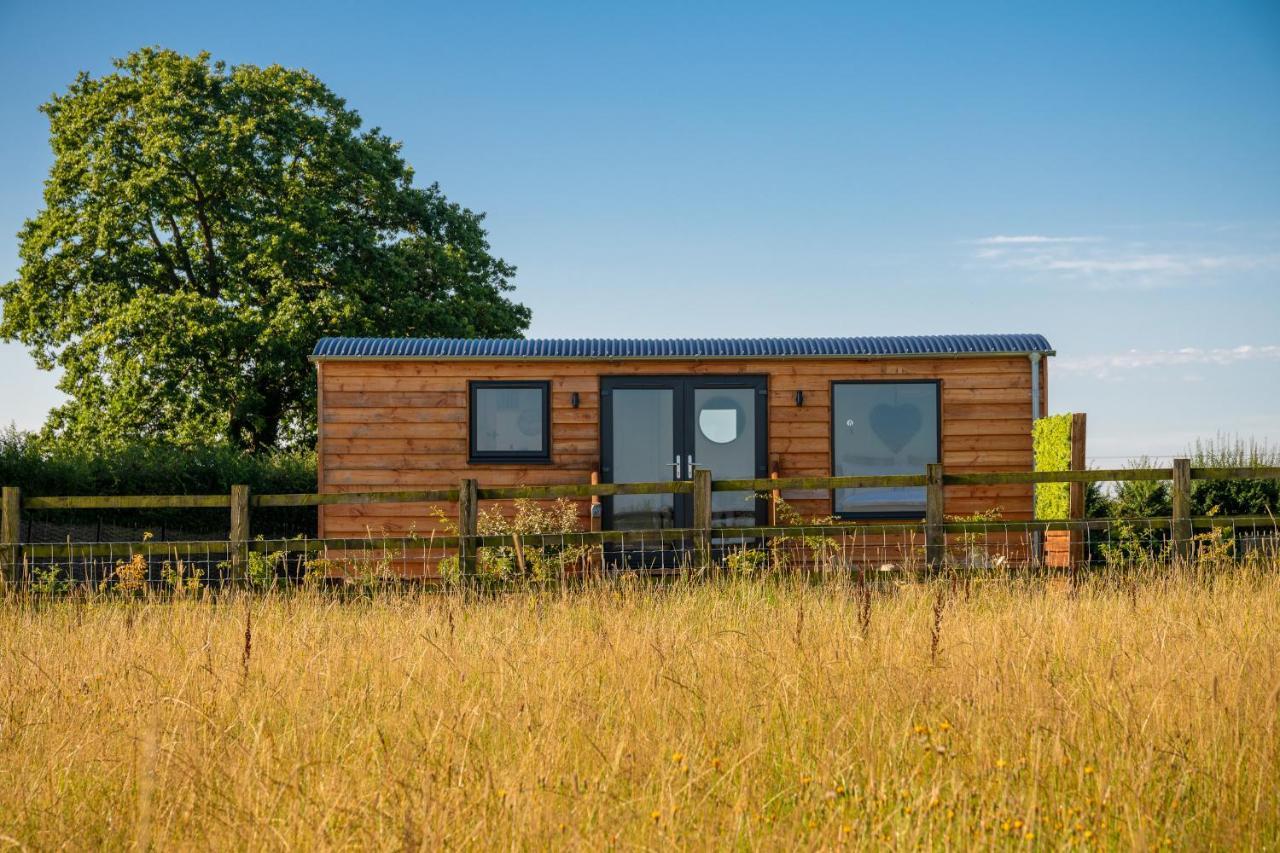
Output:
x=883 y=428
x=510 y=422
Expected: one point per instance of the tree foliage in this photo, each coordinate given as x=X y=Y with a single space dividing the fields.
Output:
x=203 y=225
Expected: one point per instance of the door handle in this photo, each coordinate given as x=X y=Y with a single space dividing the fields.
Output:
x=676 y=465
x=690 y=458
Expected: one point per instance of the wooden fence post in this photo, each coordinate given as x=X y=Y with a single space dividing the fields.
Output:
x=934 y=516
x=239 y=533
x=774 y=496
x=1182 y=531
x=1076 y=494
x=702 y=514
x=11 y=532
x=468 y=518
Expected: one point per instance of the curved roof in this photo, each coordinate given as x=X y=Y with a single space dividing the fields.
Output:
x=620 y=348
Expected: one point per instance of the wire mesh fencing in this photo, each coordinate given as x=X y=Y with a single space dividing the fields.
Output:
x=896 y=550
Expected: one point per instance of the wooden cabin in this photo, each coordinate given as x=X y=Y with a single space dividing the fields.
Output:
x=398 y=414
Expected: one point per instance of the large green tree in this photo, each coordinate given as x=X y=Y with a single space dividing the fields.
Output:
x=203 y=225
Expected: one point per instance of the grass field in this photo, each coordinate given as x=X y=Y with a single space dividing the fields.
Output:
x=761 y=713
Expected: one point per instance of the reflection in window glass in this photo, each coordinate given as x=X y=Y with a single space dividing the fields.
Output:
x=725 y=442
x=643 y=450
x=509 y=420
x=883 y=428
x=719 y=425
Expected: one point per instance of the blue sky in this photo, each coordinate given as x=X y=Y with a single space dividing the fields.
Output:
x=1106 y=174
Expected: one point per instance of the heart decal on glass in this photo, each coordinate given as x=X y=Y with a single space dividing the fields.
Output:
x=896 y=425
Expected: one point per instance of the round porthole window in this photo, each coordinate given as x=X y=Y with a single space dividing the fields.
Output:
x=721 y=421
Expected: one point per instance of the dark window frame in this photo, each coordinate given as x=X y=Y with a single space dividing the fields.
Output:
x=508 y=457
x=831 y=428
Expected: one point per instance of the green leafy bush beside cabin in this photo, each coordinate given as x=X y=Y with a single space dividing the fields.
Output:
x=1051 y=440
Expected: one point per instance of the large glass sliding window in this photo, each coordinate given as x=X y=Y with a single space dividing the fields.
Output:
x=883 y=428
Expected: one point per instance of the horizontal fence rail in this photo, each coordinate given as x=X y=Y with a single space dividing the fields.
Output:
x=586 y=490
x=129 y=502
x=933 y=530
x=353 y=498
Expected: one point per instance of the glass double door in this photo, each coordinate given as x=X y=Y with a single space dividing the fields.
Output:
x=658 y=429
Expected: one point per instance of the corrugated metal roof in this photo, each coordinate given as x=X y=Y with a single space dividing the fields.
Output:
x=620 y=348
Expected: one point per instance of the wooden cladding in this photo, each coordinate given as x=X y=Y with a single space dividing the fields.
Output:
x=404 y=425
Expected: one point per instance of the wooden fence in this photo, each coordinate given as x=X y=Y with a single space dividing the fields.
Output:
x=240 y=502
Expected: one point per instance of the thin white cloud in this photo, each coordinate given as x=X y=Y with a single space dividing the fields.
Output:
x=1112 y=366
x=1168 y=264
x=1029 y=240
x=1103 y=264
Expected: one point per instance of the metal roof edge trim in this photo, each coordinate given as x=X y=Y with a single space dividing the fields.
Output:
x=617 y=349
x=821 y=357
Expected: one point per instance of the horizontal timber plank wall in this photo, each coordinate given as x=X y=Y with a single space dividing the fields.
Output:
x=392 y=425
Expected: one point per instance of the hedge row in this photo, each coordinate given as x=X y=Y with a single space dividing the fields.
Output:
x=157 y=469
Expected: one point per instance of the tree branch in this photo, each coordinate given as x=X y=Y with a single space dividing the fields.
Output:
x=206 y=233
x=164 y=254
x=183 y=255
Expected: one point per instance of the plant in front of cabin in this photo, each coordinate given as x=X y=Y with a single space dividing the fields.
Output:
x=373 y=571
x=263 y=570
x=746 y=562
x=317 y=569
x=1132 y=547
x=972 y=549
x=813 y=549
x=131 y=574
x=181 y=576
x=541 y=560
x=1215 y=549
x=48 y=582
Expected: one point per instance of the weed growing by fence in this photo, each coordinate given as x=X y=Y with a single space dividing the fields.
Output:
x=516 y=562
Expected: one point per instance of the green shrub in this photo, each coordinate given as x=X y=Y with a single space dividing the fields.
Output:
x=1234 y=497
x=1142 y=498
x=1097 y=503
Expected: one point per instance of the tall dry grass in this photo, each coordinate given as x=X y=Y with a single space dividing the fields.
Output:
x=759 y=713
